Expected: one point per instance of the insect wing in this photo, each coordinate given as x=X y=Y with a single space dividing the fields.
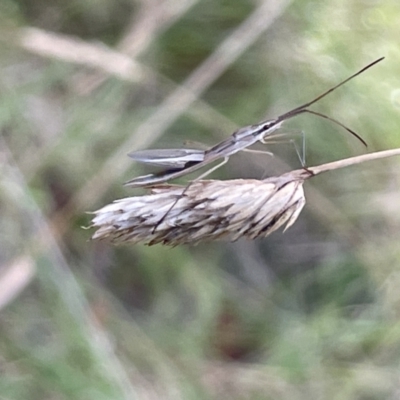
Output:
x=166 y=175
x=172 y=158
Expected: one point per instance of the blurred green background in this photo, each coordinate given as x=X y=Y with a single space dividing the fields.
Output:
x=309 y=314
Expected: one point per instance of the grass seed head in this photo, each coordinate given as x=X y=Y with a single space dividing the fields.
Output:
x=206 y=210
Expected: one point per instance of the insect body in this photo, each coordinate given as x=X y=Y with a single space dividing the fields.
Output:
x=173 y=158
x=185 y=161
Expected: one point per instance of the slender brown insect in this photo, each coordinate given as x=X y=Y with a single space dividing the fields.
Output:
x=184 y=161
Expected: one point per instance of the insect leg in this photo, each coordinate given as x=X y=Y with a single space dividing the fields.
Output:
x=300 y=154
x=268 y=153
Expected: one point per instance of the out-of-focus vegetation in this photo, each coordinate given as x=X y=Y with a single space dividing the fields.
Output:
x=311 y=314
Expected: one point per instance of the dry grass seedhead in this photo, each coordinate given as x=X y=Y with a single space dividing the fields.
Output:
x=212 y=209
x=207 y=210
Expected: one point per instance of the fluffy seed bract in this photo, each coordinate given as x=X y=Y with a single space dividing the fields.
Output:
x=205 y=210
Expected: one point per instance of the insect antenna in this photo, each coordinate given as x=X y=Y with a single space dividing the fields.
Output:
x=304 y=108
x=335 y=121
x=295 y=110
